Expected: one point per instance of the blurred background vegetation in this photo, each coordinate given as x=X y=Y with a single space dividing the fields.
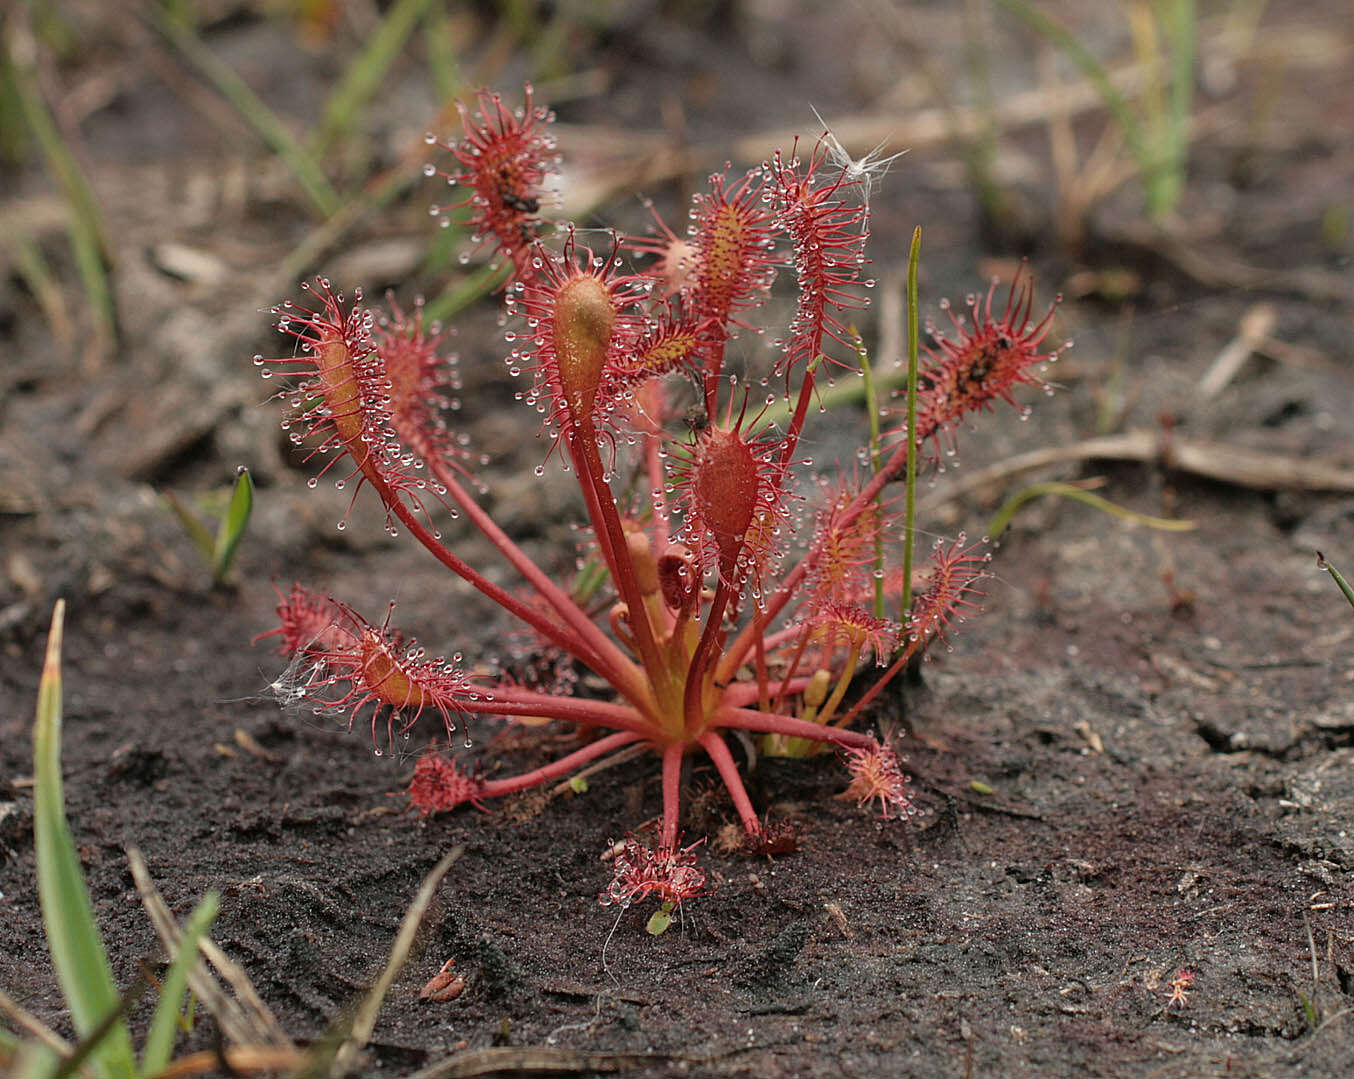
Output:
x=171 y=168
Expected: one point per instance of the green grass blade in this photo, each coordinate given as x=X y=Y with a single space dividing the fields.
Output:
x=233 y=524
x=165 y=1024
x=41 y=282
x=850 y=391
x=1058 y=35
x=264 y=121
x=1012 y=505
x=34 y=1060
x=72 y=934
x=192 y=524
x=366 y=73
x=1336 y=576
x=462 y=293
x=85 y=226
x=89 y=1045
x=1179 y=20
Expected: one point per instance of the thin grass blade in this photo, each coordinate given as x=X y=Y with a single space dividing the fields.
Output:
x=164 y=1025
x=72 y=935
x=193 y=526
x=440 y=48
x=88 y=239
x=1058 y=35
x=336 y=1054
x=32 y=1060
x=461 y=293
x=1336 y=576
x=233 y=524
x=366 y=73
x=264 y=121
x=1013 y=504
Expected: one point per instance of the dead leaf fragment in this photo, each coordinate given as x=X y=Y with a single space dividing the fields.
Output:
x=1090 y=736
x=445 y=985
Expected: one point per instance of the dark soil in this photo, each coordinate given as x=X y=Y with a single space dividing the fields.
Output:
x=1138 y=761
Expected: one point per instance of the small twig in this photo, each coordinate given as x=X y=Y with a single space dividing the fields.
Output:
x=35 y=1026
x=1256 y=324
x=364 y=1021
x=1218 y=461
x=1338 y=1015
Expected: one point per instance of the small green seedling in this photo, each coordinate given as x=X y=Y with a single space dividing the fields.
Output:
x=660 y=919
x=218 y=550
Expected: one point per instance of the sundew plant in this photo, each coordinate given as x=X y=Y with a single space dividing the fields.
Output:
x=739 y=599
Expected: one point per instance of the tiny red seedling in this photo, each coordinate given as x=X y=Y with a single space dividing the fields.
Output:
x=733 y=604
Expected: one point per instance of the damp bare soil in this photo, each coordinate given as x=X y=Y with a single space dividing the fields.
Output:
x=1137 y=763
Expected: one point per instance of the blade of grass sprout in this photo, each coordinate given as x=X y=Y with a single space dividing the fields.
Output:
x=1180 y=24
x=910 y=494
x=1336 y=576
x=1080 y=494
x=1110 y=406
x=27 y=1021
x=365 y=74
x=1054 y=32
x=872 y=415
x=337 y=1054
x=378 y=193
x=34 y=1061
x=192 y=524
x=78 y=954
x=33 y=269
x=263 y=120
x=188 y=1018
x=92 y=1041
x=462 y=293
x=843 y=393
x=1147 y=55
x=19 y=66
x=13 y=130
x=87 y=235
x=164 y=1025
x=232 y=526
